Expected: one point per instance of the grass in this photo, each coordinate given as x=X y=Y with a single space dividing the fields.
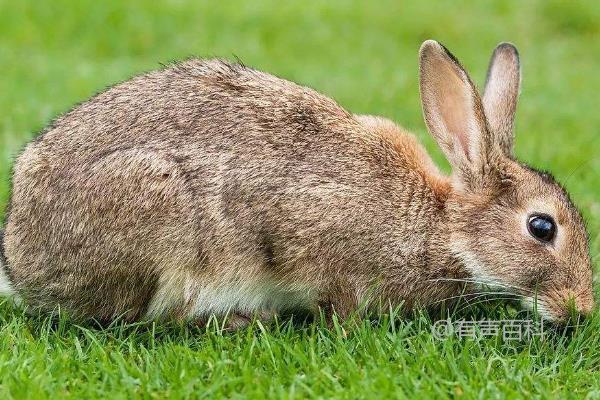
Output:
x=364 y=54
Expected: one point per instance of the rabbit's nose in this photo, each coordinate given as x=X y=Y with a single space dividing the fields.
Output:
x=581 y=304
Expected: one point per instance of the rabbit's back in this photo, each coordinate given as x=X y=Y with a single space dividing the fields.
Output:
x=205 y=174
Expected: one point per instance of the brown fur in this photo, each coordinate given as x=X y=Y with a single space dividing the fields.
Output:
x=211 y=174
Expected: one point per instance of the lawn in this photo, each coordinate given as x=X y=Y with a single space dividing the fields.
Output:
x=55 y=54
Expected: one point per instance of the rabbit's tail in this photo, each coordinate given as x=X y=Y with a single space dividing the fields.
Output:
x=6 y=289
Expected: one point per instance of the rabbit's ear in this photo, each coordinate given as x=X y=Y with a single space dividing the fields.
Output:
x=501 y=93
x=453 y=111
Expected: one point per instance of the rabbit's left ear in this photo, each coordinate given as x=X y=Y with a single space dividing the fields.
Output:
x=500 y=95
x=454 y=113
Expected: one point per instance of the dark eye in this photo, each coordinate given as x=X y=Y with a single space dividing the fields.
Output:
x=541 y=227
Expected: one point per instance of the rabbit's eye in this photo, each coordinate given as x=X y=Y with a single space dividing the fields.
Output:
x=541 y=227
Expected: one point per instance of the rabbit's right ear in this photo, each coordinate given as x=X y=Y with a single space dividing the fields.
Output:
x=454 y=113
x=501 y=93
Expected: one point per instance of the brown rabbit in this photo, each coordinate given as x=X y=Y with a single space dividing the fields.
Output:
x=210 y=188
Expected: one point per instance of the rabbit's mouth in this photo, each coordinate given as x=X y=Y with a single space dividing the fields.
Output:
x=561 y=307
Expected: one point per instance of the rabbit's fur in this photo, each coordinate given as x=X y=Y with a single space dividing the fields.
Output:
x=212 y=188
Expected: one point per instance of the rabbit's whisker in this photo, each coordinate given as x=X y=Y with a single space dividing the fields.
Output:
x=486 y=300
x=576 y=169
x=470 y=296
x=485 y=283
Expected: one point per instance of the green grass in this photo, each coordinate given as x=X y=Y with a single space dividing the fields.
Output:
x=55 y=54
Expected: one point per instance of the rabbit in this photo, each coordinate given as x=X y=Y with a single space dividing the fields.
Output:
x=210 y=189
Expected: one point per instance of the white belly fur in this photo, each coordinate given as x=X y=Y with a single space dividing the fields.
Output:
x=6 y=289
x=189 y=296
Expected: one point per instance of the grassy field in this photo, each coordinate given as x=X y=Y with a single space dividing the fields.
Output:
x=55 y=54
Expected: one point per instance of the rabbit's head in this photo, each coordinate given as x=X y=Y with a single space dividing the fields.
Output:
x=512 y=227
